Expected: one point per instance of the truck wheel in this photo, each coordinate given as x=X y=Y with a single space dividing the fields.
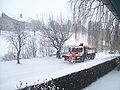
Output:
x=65 y=57
x=93 y=56
x=82 y=58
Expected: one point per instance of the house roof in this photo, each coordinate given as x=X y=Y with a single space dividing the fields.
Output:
x=114 y=7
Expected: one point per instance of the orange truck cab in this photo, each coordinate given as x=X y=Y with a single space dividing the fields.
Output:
x=79 y=53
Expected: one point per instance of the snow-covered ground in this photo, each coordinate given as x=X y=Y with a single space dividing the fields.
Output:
x=31 y=70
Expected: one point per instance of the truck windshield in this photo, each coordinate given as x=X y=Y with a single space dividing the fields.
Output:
x=77 y=49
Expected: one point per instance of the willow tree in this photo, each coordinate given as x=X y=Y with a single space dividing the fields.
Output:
x=85 y=11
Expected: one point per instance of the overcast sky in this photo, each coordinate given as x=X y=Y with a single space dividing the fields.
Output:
x=34 y=8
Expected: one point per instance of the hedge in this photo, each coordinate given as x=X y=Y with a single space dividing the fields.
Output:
x=77 y=80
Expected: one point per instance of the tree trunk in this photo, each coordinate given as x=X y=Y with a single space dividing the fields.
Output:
x=58 y=54
x=34 y=51
x=33 y=46
x=18 y=57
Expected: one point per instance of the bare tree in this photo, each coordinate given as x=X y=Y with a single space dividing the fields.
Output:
x=34 y=25
x=34 y=46
x=30 y=48
x=44 y=48
x=18 y=41
x=57 y=33
x=17 y=38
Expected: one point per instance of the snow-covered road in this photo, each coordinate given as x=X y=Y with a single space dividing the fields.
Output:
x=31 y=70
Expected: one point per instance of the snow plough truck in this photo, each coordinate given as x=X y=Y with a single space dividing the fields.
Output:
x=79 y=53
